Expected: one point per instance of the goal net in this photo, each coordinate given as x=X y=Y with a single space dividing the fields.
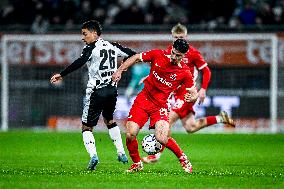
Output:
x=247 y=81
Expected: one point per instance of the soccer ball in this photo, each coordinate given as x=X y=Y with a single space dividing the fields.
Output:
x=150 y=145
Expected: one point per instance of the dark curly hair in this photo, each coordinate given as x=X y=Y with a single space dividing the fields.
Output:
x=181 y=45
x=93 y=25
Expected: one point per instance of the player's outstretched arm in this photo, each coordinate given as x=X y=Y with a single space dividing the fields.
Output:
x=206 y=76
x=116 y=76
x=55 y=78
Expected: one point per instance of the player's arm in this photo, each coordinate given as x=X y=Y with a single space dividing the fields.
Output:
x=192 y=94
x=116 y=76
x=87 y=52
x=202 y=66
x=206 y=76
x=123 y=51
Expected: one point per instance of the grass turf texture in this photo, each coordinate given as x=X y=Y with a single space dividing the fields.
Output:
x=58 y=160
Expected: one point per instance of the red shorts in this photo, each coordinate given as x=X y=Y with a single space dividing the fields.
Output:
x=181 y=107
x=143 y=109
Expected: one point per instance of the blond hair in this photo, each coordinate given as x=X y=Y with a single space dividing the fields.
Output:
x=179 y=29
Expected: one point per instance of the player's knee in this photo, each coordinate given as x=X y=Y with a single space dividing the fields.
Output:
x=162 y=139
x=190 y=130
x=129 y=135
x=190 y=126
x=86 y=128
x=132 y=130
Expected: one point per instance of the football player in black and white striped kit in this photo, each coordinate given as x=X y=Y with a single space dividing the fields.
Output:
x=101 y=95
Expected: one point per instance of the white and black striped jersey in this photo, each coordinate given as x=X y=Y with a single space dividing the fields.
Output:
x=101 y=58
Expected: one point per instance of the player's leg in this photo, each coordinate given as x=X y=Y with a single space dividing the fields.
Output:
x=91 y=112
x=185 y=112
x=192 y=125
x=136 y=120
x=162 y=130
x=90 y=145
x=132 y=130
x=115 y=135
x=173 y=117
x=109 y=95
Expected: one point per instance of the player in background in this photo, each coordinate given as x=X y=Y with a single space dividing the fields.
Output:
x=183 y=110
x=101 y=96
x=167 y=72
x=138 y=71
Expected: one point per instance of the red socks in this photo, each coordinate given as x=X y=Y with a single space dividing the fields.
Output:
x=174 y=147
x=211 y=120
x=132 y=147
x=162 y=149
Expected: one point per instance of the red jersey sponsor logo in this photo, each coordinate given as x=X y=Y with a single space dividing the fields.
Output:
x=162 y=80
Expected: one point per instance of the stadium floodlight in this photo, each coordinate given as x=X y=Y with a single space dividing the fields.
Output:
x=65 y=38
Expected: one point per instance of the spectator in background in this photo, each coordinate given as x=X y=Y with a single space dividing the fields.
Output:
x=156 y=13
x=66 y=10
x=265 y=14
x=131 y=14
x=85 y=12
x=69 y=13
x=248 y=15
x=8 y=14
x=112 y=11
x=40 y=25
x=100 y=14
x=234 y=22
x=176 y=13
x=278 y=15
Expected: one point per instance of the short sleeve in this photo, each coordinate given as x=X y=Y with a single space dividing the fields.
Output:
x=147 y=56
x=198 y=59
x=123 y=51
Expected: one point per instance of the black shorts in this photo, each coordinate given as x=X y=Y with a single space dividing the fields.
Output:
x=99 y=101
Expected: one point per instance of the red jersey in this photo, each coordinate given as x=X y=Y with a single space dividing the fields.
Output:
x=193 y=59
x=164 y=76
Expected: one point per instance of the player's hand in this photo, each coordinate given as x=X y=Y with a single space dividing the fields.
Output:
x=202 y=95
x=55 y=78
x=116 y=76
x=191 y=96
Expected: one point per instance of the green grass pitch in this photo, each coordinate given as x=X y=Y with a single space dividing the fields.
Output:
x=58 y=160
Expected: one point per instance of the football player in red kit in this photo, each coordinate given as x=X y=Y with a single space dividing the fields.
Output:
x=183 y=110
x=168 y=71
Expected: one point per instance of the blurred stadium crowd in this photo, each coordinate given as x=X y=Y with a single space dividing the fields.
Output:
x=40 y=16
